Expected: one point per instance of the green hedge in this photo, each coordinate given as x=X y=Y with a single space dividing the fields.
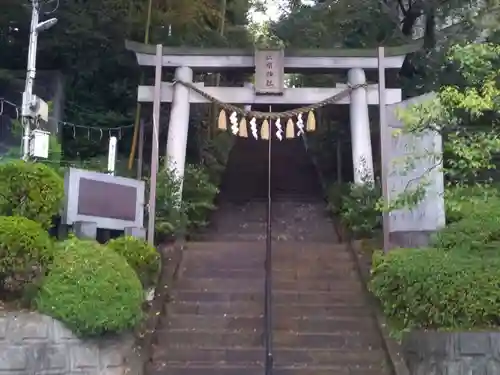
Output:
x=432 y=288
x=32 y=190
x=455 y=284
x=91 y=289
x=462 y=200
x=475 y=223
x=25 y=252
x=142 y=257
x=474 y=233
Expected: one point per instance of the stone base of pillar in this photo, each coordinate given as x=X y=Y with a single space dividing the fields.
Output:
x=85 y=230
x=136 y=232
x=62 y=232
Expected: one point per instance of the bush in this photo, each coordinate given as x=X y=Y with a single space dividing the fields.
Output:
x=358 y=208
x=142 y=257
x=476 y=220
x=197 y=201
x=170 y=219
x=474 y=233
x=198 y=196
x=91 y=289
x=437 y=289
x=25 y=252
x=335 y=193
x=461 y=200
x=32 y=190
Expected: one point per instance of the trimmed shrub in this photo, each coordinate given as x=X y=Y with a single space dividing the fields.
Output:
x=91 y=289
x=462 y=200
x=437 y=289
x=32 y=190
x=142 y=257
x=473 y=233
x=476 y=225
x=25 y=252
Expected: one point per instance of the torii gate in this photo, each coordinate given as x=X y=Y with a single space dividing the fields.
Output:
x=269 y=89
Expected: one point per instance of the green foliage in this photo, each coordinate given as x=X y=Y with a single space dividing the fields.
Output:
x=215 y=154
x=142 y=257
x=477 y=229
x=335 y=194
x=476 y=232
x=198 y=195
x=170 y=218
x=197 y=201
x=436 y=289
x=91 y=289
x=453 y=284
x=32 y=190
x=465 y=113
x=357 y=207
x=87 y=47
x=462 y=200
x=25 y=252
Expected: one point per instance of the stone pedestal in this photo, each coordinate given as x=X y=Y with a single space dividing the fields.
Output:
x=85 y=230
x=136 y=232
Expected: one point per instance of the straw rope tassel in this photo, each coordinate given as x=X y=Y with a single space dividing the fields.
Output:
x=311 y=122
x=243 y=131
x=290 y=129
x=222 y=125
x=264 y=130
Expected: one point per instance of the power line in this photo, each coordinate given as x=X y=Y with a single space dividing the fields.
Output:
x=4 y=104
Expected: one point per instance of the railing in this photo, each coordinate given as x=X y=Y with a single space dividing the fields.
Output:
x=268 y=295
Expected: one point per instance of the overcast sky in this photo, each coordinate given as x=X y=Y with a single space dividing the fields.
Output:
x=272 y=13
x=273 y=10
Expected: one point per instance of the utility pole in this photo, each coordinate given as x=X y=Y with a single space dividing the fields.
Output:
x=30 y=77
x=28 y=98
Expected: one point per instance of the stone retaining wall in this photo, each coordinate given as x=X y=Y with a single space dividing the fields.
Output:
x=445 y=353
x=34 y=344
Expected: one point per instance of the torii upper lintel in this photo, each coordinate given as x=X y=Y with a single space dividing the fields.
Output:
x=296 y=61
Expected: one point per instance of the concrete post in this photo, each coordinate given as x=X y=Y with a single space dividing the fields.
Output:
x=362 y=157
x=135 y=232
x=179 y=124
x=85 y=230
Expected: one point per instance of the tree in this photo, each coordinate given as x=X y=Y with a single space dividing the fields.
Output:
x=466 y=113
x=87 y=46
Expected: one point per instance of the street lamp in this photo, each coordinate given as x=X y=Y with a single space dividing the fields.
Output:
x=45 y=25
x=27 y=111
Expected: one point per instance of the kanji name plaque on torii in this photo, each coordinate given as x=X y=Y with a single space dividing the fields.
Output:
x=269 y=71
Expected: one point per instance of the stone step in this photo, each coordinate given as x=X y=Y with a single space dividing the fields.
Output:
x=163 y=369
x=278 y=297
x=309 y=247
x=312 y=324
x=256 y=308
x=256 y=263
x=252 y=356
x=212 y=236
x=302 y=250
x=281 y=339
x=299 y=274
x=257 y=285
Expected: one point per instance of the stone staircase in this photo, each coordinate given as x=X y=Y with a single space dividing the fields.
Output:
x=322 y=322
